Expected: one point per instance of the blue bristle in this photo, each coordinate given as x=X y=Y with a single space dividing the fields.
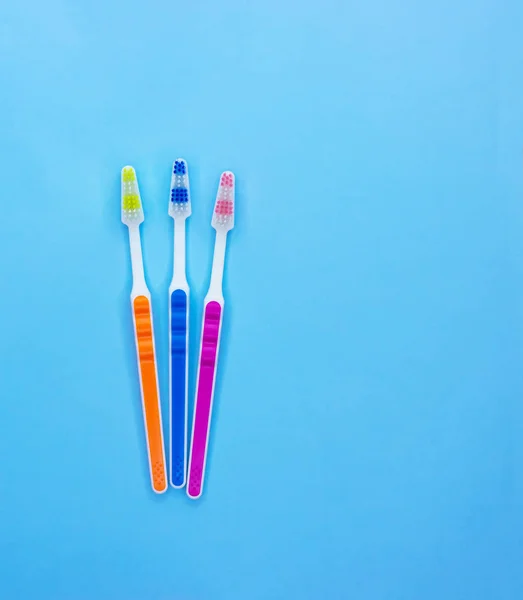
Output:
x=179 y=195
x=179 y=168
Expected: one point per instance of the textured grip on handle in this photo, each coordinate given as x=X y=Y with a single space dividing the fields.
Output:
x=204 y=397
x=178 y=386
x=150 y=399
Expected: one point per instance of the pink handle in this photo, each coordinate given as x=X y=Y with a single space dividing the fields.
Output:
x=204 y=397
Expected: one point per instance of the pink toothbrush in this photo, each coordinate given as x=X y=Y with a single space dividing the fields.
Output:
x=223 y=222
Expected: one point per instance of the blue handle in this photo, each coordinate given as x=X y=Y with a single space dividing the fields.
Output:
x=178 y=387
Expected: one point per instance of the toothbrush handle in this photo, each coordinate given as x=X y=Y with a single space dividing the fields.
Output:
x=150 y=396
x=178 y=412
x=204 y=397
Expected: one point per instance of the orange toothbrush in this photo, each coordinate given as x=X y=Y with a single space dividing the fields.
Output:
x=132 y=216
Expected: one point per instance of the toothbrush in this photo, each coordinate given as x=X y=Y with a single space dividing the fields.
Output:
x=223 y=222
x=132 y=216
x=179 y=210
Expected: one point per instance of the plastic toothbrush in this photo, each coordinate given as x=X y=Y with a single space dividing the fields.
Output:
x=132 y=216
x=179 y=209
x=223 y=222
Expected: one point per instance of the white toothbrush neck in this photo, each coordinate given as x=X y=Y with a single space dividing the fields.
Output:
x=215 y=289
x=179 y=280
x=139 y=285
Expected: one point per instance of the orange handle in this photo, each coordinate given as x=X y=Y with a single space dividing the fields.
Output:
x=150 y=399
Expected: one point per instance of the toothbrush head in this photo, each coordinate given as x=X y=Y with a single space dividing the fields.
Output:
x=223 y=216
x=132 y=211
x=180 y=200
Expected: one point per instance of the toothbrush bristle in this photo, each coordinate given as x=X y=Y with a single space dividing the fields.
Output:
x=132 y=212
x=180 y=200
x=180 y=167
x=224 y=208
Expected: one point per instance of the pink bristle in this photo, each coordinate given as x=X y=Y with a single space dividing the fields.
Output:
x=223 y=215
x=227 y=180
x=224 y=207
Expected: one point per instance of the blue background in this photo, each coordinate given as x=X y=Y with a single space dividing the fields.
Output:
x=367 y=440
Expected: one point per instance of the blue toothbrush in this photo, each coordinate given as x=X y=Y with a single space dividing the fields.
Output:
x=179 y=209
